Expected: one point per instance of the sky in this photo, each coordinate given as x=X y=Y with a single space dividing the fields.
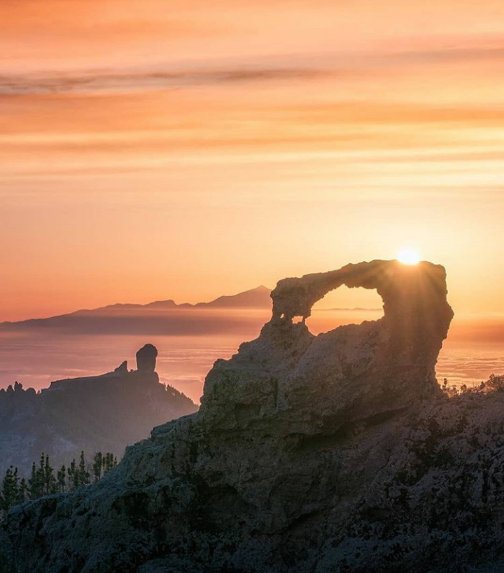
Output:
x=168 y=149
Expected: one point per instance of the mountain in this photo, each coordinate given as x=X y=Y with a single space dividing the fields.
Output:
x=337 y=452
x=159 y=317
x=258 y=297
x=97 y=413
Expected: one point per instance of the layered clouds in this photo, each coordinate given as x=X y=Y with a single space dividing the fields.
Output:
x=145 y=145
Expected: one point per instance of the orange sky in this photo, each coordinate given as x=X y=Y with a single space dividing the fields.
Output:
x=188 y=149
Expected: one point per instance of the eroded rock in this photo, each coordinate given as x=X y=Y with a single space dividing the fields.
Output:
x=351 y=373
x=310 y=453
x=146 y=358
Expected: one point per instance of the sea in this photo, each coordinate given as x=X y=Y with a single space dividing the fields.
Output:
x=35 y=357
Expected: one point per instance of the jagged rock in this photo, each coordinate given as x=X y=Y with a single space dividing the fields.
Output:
x=329 y=453
x=353 y=372
x=122 y=368
x=92 y=413
x=146 y=358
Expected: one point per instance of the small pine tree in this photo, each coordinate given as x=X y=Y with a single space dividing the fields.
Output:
x=43 y=480
x=97 y=466
x=23 y=491
x=110 y=462
x=10 y=489
x=61 y=479
x=34 y=483
x=83 y=473
x=73 y=475
x=49 y=479
x=40 y=471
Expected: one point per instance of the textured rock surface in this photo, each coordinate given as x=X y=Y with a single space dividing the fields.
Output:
x=335 y=452
x=313 y=384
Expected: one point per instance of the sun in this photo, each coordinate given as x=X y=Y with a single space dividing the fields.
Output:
x=408 y=256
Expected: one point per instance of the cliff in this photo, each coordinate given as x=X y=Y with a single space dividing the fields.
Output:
x=335 y=452
x=97 y=413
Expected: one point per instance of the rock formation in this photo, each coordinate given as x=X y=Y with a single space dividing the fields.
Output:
x=92 y=413
x=328 y=453
x=146 y=358
x=350 y=373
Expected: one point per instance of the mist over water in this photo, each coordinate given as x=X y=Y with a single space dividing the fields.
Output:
x=183 y=361
x=37 y=356
x=469 y=362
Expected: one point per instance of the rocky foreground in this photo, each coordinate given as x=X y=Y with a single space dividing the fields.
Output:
x=329 y=453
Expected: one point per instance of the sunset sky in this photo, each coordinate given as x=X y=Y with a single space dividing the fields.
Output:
x=188 y=149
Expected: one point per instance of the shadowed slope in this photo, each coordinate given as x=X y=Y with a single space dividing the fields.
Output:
x=310 y=453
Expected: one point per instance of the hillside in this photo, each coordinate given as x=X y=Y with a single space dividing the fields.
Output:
x=98 y=413
x=337 y=452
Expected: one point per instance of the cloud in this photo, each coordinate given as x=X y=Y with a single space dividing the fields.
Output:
x=269 y=69
x=111 y=82
x=451 y=55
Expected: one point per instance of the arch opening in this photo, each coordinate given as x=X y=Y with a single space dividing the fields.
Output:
x=343 y=306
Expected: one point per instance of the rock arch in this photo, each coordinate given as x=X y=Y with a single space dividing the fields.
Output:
x=416 y=312
x=353 y=372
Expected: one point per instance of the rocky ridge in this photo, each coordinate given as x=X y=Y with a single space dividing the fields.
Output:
x=329 y=453
x=93 y=413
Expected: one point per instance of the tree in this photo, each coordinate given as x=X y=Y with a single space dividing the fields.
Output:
x=10 y=489
x=48 y=477
x=73 y=475
x=110 y=462
x=83 y=473
x=43 y=480
x=23 y=491
x=97 y=466
x=35 y=485
x=61 y=479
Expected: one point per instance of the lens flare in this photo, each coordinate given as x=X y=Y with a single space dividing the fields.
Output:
x=408 y=256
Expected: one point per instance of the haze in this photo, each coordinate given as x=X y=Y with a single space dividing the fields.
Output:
x=190 y=149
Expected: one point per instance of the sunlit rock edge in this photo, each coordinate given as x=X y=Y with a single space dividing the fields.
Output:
x=336 y=452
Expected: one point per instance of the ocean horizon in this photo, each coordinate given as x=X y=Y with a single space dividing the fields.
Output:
x=36 y=357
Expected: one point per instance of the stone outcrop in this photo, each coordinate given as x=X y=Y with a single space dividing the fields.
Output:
x=146 y=358
x=328 y=453
x=351 y=373
x=92 y=413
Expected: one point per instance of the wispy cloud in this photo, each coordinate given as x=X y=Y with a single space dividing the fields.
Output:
x=450 y=55
x=112 y=81
x=278 y=69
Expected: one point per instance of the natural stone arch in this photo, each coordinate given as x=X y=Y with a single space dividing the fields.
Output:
x=347 y=375
x=416 y=311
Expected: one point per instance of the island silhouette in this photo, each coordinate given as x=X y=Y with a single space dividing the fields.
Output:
x=93 y=413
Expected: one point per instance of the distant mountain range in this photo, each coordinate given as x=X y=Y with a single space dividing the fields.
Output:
x=258 y=297
x=159 y=317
